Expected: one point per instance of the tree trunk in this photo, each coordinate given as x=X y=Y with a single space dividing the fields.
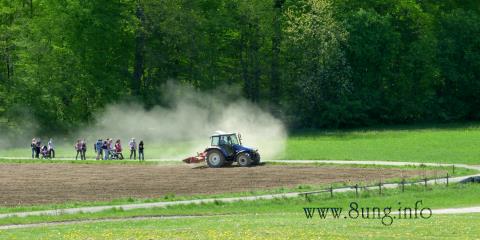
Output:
x=275 y=92
x=31 y=8
x=255 y=62
x=138 y=68
x=244 y=63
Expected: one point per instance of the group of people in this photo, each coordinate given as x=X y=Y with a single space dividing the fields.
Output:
x=105 y=149
x=46 y=151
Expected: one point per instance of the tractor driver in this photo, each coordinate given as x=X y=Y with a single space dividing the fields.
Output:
x=227 y=145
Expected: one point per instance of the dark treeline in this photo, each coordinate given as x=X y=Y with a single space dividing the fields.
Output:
x=314 y=63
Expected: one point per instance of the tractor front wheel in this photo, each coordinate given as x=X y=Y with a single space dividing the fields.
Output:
x=215 y=158
x=244 y=160
x=256 y=160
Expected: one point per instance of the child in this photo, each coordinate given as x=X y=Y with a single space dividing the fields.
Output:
x=141 y=157
x=44 y=152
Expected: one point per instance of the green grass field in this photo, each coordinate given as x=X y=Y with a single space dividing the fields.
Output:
x=273 y=219
x=270 y=226
x=443 y=144
x=459 y=143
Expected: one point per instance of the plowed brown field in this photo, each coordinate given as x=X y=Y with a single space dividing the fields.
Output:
x=22 y=184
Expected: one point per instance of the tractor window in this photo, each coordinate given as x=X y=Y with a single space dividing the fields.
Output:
x=223 y=140
x=232 y=139
x=215 y=141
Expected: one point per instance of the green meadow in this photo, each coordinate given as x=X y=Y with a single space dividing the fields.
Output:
x=269 y=226
x=437 y=144
x=447 y=143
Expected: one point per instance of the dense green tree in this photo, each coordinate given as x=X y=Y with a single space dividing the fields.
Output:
x=13 y=16
x=315 y=63
x=392 y=52
x=74 y=58
x=459 y=57
x=275 y=78
x=319 y=71
x=372 y=49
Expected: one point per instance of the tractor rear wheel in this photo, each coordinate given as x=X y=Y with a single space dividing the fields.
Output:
x=244 y=160
x=215 y=158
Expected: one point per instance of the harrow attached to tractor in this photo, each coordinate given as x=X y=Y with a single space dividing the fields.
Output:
x=197 y=159
x=224 y=150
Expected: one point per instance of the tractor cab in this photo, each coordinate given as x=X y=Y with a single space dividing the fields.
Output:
x=222 y=139
x=227 y=148
x=224 y=150
x=227 y=142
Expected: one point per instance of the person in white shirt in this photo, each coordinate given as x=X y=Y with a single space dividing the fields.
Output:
x=51 y=148
x=133 y=149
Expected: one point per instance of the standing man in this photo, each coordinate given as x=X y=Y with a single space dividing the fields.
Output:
x=111 y=149
x=51 y=148
x=78 y=148
x=98 y=149
x=105 y=149
x=141 y=157
x=133 y=149
x=38 y=144
x=84 y=150
x=33 y=145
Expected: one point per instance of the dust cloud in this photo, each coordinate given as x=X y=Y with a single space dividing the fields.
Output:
x=183 y=127
x=18 y=133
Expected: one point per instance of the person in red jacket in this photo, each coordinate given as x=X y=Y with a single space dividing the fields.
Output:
x=118 y=149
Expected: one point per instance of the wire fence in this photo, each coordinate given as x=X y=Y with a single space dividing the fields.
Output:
x=381 y=186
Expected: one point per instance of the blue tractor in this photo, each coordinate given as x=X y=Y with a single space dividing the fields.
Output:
x=227 y=148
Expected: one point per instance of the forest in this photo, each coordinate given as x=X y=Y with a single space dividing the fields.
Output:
x=312 y=63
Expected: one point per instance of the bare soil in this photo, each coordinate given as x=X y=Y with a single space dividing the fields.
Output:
x=25 y=184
